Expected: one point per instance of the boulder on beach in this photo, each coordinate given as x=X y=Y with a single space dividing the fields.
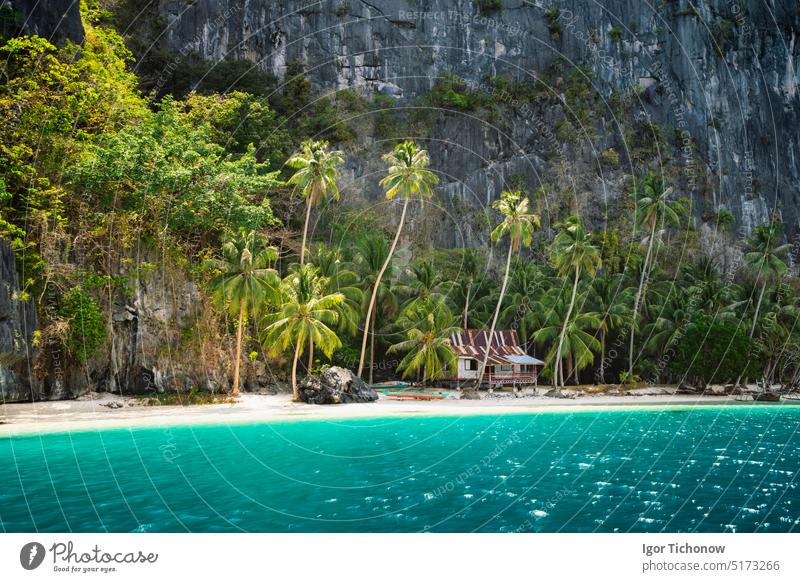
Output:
x=336 y=386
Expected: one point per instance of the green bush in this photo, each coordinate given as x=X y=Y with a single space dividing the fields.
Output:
x=716 y=351
x=486 y=6
x=553 y=24
x=87 y=326
x=610 y=157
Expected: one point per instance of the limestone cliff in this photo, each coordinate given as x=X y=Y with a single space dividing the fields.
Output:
x=722 y=74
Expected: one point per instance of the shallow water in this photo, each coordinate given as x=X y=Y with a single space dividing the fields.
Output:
x=711 y=469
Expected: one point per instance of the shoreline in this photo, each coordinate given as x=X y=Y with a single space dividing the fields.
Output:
x=67 y=416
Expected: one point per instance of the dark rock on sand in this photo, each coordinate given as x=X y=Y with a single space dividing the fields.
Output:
x=336 y=386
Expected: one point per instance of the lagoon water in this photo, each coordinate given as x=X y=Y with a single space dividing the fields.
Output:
x=709 y=469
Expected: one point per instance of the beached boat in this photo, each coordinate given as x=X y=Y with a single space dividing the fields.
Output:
x=415 y=395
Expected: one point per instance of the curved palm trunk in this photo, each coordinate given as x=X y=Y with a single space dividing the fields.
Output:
x=638 y=299
x=377 y=286
x=235 y=388
x=310 y=354
x=305 y=231
x=295 y=394
x=466 y=305
x=566 y=323
x=494 y=321
x=758 y=308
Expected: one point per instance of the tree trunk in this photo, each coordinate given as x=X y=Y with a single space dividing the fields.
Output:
x=638 y=299
x=602 y=357
x=377 y=286
x=466 y=305
x=305 y=231
x=235 y=389
x=295 y=393
x=758 y=308
x=566 y=320
x=753 y=327
x=494 y=319
x=310 y=354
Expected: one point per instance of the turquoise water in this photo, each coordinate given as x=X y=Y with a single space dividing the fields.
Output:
x=676 y=470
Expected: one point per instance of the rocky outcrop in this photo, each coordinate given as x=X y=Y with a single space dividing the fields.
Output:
x=721 y=75
x=56 y=20
x=336 y=386
x=17 y=323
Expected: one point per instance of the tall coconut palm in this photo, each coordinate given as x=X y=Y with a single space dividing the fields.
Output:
x=655 y=211
x=518 y=225
x=612 y=302
x=572 y=252
x=765 y=257
x=247 y=285
x=575 y=333
x=470 y=271
x=428 y=326
x=307 y=315
x=407 y=178
x=317 y=171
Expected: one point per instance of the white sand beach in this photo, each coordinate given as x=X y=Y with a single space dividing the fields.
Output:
x=94 y=412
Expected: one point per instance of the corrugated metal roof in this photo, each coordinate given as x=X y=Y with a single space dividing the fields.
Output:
x=505 y=343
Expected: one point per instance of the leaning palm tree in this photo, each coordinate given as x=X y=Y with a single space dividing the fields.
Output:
x=573 y=252
x=766 y=258
x=655 y=211
x=247 y=285
x=315 y=178
x=306 y=313
x=408 y=178
x=518 y=224
x=428 y=326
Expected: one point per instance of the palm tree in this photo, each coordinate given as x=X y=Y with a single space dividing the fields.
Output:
x=766 y=258
x=655 y=210
x=579 y=340
x=315 y=178
x=371 y=252
x=428 y=326
x=408 y=178
x=307 y=315
x=426 y=283
x=611 y=301
x=247 y=285
x=518 y=224
x=573 y=251
x=470 y=270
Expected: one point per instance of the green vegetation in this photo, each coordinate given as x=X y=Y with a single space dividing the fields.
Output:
x=102 y=187
x=553 y=22
x=486 y=6
x=87 y=328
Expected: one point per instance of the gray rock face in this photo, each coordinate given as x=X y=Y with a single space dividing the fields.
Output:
x=336 y=386
x=17 y=323
x=55 y=20
x=725 y=76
